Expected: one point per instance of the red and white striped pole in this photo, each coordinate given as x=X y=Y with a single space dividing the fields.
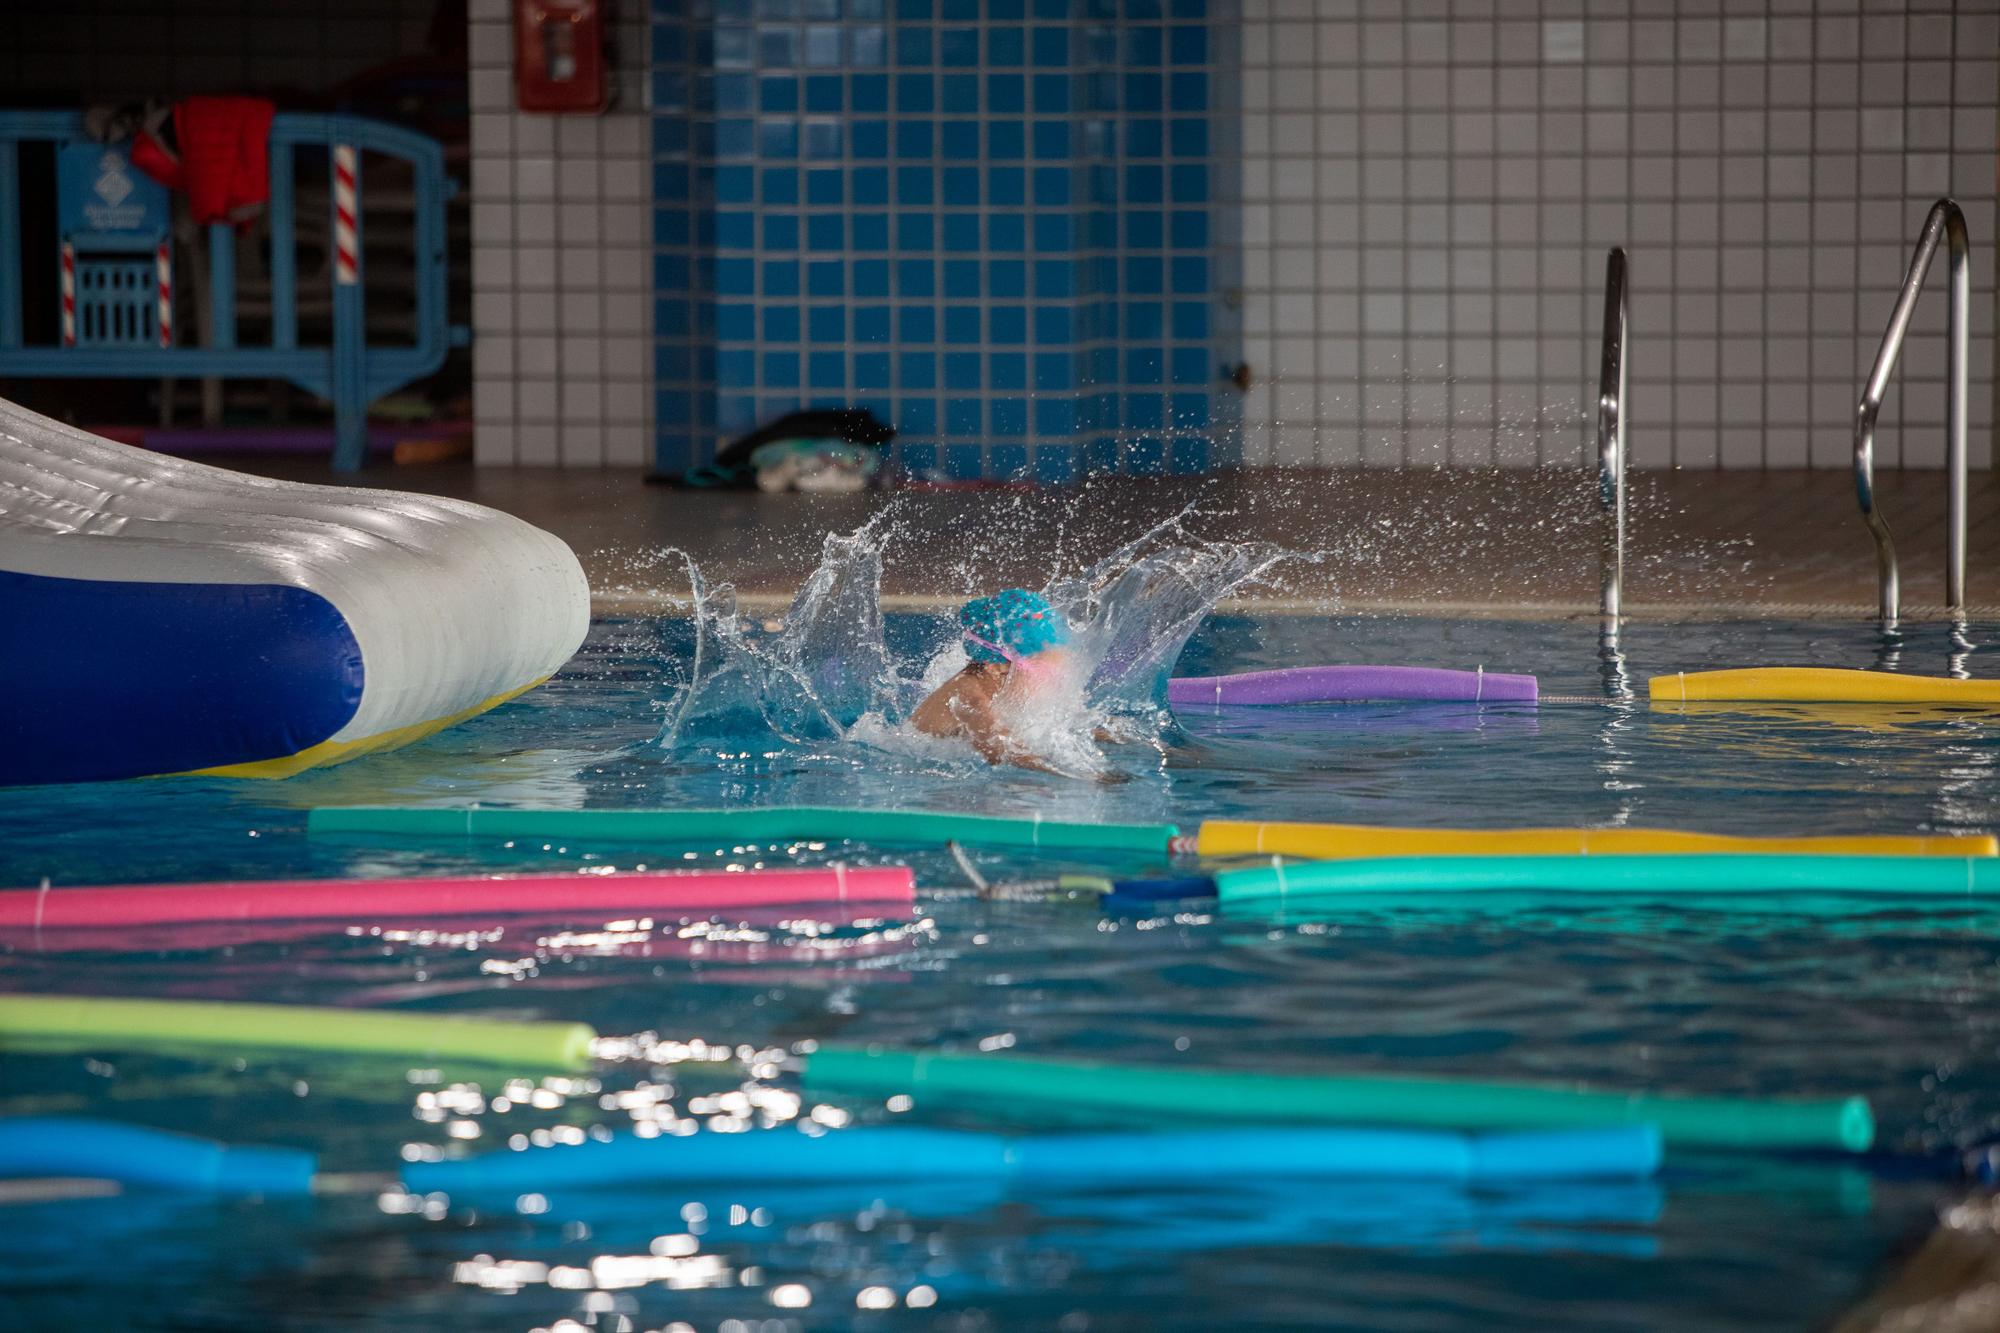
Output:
x=164 y=262
x=346 y=250
x=350 y=353
x=68 y=295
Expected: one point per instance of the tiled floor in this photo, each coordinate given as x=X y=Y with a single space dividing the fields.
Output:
x=1523 y=542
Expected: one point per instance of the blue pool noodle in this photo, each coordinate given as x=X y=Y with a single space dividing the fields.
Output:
x=1204 y=1156
x=149 y=1158
x=763 y=1155
x=1164 y=890
x=899 y=1154
x=1150 y=897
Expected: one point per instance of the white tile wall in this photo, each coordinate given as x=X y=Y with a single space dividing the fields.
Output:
x=1430 y=187
x=561 y=264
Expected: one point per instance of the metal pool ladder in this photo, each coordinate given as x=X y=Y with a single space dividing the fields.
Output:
x=1611 y=439
x=1947 y=222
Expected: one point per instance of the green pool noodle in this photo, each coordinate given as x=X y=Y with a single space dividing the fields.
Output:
x=63 y=1022
x=1180 y=1095
x=779 y=824
x=1682 y=873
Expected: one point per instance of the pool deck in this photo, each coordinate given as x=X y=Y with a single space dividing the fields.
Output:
x=1525 y=543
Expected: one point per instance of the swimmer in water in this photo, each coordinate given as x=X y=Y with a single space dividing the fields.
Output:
x=1013 y=639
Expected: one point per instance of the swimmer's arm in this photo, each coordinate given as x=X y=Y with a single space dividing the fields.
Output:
x=973 y=711
x=975 y=717
x=1023 y=759
x=943 y=713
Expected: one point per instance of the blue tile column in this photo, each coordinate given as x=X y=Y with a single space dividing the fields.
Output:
x=986 y=220
x=684 y=218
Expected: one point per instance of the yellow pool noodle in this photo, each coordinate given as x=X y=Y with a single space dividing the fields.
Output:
x=1818 y=685
x=1886 y=719
x=1223 y=837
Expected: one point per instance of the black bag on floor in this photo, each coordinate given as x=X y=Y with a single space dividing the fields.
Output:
x=731 y=468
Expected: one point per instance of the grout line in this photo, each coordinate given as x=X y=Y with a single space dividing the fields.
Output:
x=1403 y=244
x=1673 y=398
x=1764 y=264
x=1493 y=246
x=1545 y=289
x=1316 y=336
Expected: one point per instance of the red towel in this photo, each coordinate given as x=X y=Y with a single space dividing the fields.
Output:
x=225 y=156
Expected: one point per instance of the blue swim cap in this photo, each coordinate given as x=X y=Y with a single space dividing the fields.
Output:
x=1021 y=622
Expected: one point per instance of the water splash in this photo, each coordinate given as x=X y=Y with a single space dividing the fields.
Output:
x=827 y=672
x=825 y=669
x=1135 y=609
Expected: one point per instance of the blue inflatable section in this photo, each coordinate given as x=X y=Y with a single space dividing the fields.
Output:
x=115 y=679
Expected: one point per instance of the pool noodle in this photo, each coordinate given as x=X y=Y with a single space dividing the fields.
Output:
x=1883 y=719
x=106 y=1150
x=711 y=827
x=889 y=1154
x=1366 y=1099
x=175 y=937
x=67 y=1022
x=1818 y=685
x=1163 y=890
x=658 y=941
x=338 y=899
x=1124 y=905
x=1352 y=684
x=1702 y=872
x=131 y=1155
x=1226 y=837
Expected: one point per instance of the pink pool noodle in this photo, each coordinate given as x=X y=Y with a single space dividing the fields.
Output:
x=202 y=936
x=350 y=899
x=1352 y=684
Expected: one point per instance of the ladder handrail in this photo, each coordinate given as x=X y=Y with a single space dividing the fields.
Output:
x=1611 y=436
x=1945 y=221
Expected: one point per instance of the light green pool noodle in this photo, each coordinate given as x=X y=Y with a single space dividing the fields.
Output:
x=63 y=1022
x=1683 y=873
x=1183 y=1096
x=776 y=824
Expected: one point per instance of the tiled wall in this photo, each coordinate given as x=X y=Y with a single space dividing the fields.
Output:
x=989 y=221
x=1430 y=188
x=561 y=263
x=133 y=49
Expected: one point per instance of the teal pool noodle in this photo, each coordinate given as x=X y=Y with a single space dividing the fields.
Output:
x=711 y=827
x=1180 y=1157
x=148 y=1158
x=1170 y=1095
x=1679 y=872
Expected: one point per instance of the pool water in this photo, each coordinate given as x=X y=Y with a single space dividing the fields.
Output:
x=1900 y=1002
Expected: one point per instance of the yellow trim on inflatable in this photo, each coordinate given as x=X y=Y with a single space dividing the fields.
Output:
x=328 y=753
x=1329 y=842
x=1818 y=685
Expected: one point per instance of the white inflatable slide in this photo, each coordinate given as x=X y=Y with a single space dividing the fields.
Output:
x=161 y=616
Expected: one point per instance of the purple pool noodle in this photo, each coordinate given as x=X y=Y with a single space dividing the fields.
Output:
x=1352 y=684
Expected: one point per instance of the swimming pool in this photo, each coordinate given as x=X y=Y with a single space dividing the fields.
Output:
x=1897 y=1002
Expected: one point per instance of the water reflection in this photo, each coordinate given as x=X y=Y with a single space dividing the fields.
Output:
x=1737 y=997
x=1959 y=664
x=1611 y=662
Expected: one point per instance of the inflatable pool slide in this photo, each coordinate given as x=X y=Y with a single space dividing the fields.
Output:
x=160 y=616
